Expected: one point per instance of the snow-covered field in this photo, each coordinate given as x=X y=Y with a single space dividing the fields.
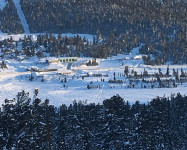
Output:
x=16 y=78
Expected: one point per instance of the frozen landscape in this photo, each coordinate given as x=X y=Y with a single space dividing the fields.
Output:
x=93 y=75
x=16 y=77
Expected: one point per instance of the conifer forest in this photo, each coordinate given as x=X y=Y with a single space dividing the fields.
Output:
x=93 y=74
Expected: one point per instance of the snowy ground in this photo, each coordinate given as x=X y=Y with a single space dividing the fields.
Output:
x=16 y=37
x=16 y=79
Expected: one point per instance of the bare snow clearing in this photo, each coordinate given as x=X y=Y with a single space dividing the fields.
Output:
x=62 y=82
x=54 y=87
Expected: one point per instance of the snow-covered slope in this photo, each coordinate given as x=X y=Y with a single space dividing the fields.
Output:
x=16 y=37
x=16 y=79
x=2 y=4
x=21 y=16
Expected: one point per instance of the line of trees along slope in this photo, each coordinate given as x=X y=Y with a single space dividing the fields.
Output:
x=160 y=124
x=125 y=24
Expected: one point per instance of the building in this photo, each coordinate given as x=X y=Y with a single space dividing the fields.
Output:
x=63 y=60
x=68 y=59
x=52 y=61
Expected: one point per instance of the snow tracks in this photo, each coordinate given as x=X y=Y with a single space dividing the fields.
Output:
x=21 y=16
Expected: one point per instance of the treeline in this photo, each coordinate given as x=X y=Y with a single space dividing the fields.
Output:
x=114 y=124
x=120 y=25
x=96 y=16
x=9 y=20
x=57 y=46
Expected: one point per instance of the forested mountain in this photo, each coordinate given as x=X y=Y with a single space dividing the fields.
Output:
x=9 y=20
x=115 y=124
x=122 y=24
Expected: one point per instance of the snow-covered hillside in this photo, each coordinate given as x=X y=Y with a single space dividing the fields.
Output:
x=21 y=16
x=16 y=37
x=2 y=4
x=20 y=13
x=61 y=83
x=54 y=87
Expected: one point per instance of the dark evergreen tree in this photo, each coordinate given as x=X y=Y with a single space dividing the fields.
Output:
x=160 y=124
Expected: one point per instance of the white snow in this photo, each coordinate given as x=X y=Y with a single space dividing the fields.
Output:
x=16 y=78
x=135 y=51
x=3 y=3
x=16 y=37
x=138 y=57
x=21 y=16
